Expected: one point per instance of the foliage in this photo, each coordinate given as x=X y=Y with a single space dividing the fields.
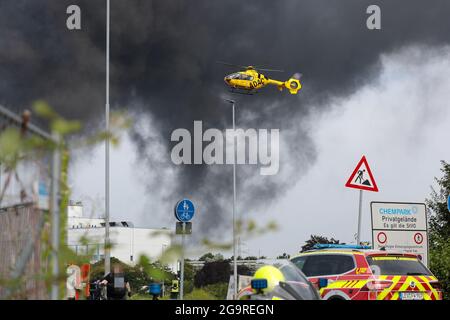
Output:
x=199 y=294
x=440 y=262
x=142 y=274
x=315 y=239
x=210 y=292
x=284 y=256
x=439 y=230
x=188 y=286
x=439 y=217
x=209 y=257
x=141 y=296
x=206 y=256
x=212 y=272
x=244 y=270
x=218 y=290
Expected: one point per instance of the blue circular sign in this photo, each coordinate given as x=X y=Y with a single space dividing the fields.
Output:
x=184 y=210
x=448 y=203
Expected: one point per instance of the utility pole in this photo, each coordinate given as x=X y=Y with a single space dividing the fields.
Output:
x=54 y=206
x=235 y=277
x=182 y=262
x=107 y=241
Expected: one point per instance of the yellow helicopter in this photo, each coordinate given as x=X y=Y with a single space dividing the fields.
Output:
x=250 y=80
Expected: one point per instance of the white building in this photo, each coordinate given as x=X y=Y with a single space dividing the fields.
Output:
x=87 y=235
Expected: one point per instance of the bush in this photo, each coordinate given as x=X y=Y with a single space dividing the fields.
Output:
x=188 y=286
x=219 y=290
x=212 y=272
x=199 y=294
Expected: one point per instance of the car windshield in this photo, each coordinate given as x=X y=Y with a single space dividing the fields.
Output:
x=396 y=265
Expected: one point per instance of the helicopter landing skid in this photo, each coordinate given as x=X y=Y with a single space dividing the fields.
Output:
x=241 y=91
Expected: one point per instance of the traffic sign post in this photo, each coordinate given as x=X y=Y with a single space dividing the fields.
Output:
x=187 y=228
x=182 y=264
x=401 y=227
x=184 y=212
x=362 y=179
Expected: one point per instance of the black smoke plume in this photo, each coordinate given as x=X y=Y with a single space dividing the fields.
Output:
x=163 y=65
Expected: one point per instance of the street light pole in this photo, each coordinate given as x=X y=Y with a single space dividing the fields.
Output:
x=235 y=277
x=107 y=242
x=55 y=235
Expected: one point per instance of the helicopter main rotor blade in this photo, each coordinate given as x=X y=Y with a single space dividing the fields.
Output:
x=231 y=64
x=247 y=67
x=269 y=70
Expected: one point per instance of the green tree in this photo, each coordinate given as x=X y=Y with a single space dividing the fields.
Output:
x=315 y=239
x=284 y=256
x=212 y=272
x=206 y=256
x=209 y=257
x=189 y=274
x=439 y=216
x=439 y=230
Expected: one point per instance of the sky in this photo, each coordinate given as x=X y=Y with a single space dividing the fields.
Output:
x=379 y=93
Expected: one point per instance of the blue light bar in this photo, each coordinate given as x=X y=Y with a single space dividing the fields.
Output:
x=259 y=284
x=340 y=246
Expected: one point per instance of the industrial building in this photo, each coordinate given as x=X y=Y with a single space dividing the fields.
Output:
x=87 y=236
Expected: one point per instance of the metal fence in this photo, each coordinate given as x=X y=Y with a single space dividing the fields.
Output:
x=22 y=220
x=21 y=252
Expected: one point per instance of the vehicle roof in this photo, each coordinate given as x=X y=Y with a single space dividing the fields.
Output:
x=365 y=252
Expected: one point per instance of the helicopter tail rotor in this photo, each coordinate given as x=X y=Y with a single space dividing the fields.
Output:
x=293 y=84
x=297 y=76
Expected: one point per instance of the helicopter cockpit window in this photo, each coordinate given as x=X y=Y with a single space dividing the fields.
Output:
x=240 y=76
x=246 y=77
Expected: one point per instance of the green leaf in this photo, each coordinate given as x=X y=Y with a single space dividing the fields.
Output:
x=64 y=127
x=10 y=146
x=43 y=109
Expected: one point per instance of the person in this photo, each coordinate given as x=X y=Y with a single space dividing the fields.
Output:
x=117 y=285
x=175 y=289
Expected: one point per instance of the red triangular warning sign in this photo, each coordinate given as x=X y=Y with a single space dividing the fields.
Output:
x=362 y=177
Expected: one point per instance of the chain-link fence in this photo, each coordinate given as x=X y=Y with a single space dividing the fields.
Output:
x=24 y=204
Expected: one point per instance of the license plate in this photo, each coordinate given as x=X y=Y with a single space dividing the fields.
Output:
x=411 y=296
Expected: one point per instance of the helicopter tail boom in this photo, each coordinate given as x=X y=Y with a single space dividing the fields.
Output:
x=293 y=84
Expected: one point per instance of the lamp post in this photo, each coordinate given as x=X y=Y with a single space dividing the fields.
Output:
x=107 y=242
x=55 y=234
x=234 y=204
